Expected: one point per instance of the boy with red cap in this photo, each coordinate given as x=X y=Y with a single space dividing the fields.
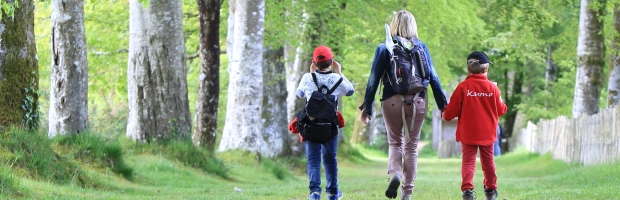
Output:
x=478 y=104
x=322 y=61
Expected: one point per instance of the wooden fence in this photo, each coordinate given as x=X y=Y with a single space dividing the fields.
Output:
x=585 y=140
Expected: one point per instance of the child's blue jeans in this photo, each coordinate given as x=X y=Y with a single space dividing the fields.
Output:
x=314 y=151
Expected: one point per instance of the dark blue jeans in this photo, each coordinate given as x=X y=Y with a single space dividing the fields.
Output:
x=314 y=151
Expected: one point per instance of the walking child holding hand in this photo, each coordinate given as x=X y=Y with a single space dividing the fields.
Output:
x=478 y=104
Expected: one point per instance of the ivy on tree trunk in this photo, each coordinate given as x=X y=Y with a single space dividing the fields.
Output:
x=19 y=81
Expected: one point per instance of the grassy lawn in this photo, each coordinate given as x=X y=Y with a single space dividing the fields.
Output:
x=521 y=175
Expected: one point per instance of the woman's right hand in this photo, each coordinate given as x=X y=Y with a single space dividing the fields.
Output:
x=364 y=117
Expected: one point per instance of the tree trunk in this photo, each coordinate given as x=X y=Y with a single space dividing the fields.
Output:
x=243 y=127
x=590 y=56
x=19 y=70
x=157 y=83
x=512 y=101
x=294 y=69
x=294 y=72
x=69 y=78
x=296 y=66
x=209 y=88
x=613 y=87
x=550 y=72
x=275 y=132
x=361 y=132
x=377 y=126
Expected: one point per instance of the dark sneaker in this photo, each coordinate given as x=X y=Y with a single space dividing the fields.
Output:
x=336 y=196
x=490 y=194
x=392 y=190
x=469 y=195
x=315 y=196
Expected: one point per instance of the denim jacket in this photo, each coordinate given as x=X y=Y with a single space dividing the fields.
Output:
x=381 y=63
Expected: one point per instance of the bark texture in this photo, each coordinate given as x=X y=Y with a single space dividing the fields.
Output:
x=243 y=127
x=209 y=87
x=512 y=101
x=275 y=132
x=19 y=70
x=157 y=83
x=294 y=72
x=613 y=85
x=68 y=112
x=590 y=59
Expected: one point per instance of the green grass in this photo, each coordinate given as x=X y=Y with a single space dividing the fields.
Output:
x=94 y=150
x=174 y=171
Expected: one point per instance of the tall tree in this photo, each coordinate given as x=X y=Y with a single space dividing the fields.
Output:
x=297 y=64
x=69 y=78
x=157 y=84
x=209 y=88
x=274 y=119
x=243 y=126
x=19 y=70
x=590 y=58
x=613 y=86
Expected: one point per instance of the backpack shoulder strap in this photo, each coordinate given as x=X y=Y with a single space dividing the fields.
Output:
x=335 y=86
x=418 y=52
x=314 y=78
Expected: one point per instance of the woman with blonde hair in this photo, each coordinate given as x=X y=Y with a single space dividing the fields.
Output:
x=398 y=110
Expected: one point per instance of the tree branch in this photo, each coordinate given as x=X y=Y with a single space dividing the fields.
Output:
x=197 y=54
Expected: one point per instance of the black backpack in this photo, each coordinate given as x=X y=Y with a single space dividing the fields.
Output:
x=318 y=121
x=407 y=67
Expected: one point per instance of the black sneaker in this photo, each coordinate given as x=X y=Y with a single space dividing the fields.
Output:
x=392 y=190
x=469 y=195
x=490 y=194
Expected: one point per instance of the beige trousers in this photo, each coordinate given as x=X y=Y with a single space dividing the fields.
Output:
x=403 y=154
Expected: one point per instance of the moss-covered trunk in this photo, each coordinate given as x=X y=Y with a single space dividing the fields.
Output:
x=19 y=68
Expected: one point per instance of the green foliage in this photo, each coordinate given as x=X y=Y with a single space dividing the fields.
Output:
x=94 y=150
x=8 y=8
x=523 y=36
x=30 y=120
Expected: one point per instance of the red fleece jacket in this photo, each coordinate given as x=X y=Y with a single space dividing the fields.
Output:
x=478 y=105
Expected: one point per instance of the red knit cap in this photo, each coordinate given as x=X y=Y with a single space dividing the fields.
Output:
x=322 y=54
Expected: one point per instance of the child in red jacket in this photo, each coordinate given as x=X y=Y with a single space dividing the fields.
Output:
x=478 y=104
